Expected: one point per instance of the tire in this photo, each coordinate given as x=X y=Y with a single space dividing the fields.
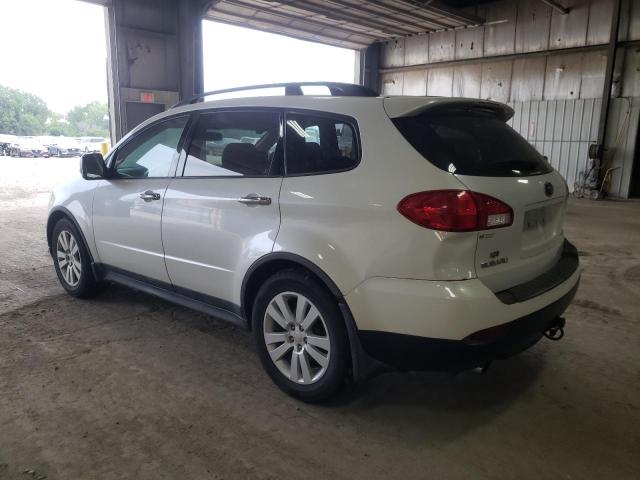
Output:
x=72 y=260
x=310 y=360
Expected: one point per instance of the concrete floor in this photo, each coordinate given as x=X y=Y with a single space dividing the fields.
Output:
x=127 y=386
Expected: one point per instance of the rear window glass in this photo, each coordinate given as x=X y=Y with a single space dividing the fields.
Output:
x=476 y=144
x=319 y=144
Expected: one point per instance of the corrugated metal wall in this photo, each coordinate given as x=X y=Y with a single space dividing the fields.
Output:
x=556 y=96
x=560 y=129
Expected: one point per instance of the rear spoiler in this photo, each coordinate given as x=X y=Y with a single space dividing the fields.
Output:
x=414 y=106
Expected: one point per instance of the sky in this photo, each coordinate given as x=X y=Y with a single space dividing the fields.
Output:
x=57 y=50
x=259 y=57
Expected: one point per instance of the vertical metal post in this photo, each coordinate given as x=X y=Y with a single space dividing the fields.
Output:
x=369 y=67
x=113 y=74
x=608 y=79
x=190 y=44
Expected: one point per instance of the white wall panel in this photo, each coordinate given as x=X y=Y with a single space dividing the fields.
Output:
x=532 y=28
x=593 y=67
x=496 y=81
x=416 y=50
x=414 y=83
x=392 y=53
x=440 y=82
x=442 y=46
x=600 y=12
x=570 y=30
x=469 y=43
x=467 y=80
x=500 y=38
x=528 y=79
x=563 y=77
x=391 y=84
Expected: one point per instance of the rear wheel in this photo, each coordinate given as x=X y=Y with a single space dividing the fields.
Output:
x=300 y=335
x=72 y=261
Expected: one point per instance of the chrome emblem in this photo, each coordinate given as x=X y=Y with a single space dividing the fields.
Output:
x=548 y=189
x=494 y=262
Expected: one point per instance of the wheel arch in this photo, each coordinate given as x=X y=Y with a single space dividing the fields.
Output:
x=362 y=366
x=271 y=263
x=57 y=214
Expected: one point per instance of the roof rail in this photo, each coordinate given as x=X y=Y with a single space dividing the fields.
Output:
x=336 y=90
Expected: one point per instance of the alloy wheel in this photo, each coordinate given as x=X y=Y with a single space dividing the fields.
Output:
x=68 y=258
x=297 y=338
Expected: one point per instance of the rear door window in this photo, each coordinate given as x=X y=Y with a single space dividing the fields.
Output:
x=472 y=144
x=234 y=144
x=320 y=144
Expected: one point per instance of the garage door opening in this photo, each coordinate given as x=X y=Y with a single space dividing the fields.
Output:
x=53 y=82
x=236 y=56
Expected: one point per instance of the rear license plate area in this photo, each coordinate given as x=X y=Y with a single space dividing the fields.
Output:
x=540 y=228
x=535 y=220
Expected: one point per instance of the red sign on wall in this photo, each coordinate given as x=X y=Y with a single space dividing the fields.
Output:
x=147 y=97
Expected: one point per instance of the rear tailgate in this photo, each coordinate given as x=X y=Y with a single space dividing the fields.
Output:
x=533 y=243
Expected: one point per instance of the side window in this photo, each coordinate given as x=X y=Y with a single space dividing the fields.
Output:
x=318 y=144
x=152 y=152
x=233 y=144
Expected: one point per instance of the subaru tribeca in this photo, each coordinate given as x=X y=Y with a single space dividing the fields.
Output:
x=347 y=231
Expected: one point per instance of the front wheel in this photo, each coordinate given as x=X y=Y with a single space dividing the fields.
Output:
x=301 y=336
x=72 y=261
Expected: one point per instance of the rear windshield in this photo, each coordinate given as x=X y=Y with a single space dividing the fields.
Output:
x=472 y=144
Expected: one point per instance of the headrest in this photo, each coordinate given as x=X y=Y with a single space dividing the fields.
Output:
x=244 y=158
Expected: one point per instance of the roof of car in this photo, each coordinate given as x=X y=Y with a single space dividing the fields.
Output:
x=395 y=106
x=350 y=103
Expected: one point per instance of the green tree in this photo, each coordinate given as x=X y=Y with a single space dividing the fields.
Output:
x=22 y=113
x=57 y=125
x=91 y=120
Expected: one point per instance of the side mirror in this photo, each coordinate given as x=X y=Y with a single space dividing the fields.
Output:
x=92 y=166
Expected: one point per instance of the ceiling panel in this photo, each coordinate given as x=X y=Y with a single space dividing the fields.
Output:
x=351 y=24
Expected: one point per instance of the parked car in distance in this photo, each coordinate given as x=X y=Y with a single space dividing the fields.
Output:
x=28 y=147
x=65 y=147
x=6 y=141
x=421 y=233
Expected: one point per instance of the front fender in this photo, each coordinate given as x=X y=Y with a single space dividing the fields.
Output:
x=74 y=200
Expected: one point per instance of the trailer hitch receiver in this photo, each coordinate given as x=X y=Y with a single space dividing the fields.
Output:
x=556 y=331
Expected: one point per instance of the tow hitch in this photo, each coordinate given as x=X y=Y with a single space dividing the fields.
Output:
x=556 y=331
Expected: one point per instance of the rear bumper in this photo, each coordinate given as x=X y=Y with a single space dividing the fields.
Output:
x=559 y=273
x=454 y=325
x=410 y=352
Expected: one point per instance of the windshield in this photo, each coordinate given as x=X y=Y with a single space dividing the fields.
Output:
x=472 y=144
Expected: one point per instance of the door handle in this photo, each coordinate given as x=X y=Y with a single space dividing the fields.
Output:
x=255 y=199
x=149 y=196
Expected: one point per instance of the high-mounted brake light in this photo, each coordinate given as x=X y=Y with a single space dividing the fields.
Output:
x=456 y=210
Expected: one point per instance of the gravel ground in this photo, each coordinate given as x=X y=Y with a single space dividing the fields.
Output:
x=128 y=386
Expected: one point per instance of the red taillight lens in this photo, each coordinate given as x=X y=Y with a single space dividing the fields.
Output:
x=456 y=210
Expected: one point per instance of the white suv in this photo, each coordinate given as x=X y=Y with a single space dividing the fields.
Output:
x=347 y=231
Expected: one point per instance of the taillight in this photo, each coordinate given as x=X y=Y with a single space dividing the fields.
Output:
x=456 y=210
